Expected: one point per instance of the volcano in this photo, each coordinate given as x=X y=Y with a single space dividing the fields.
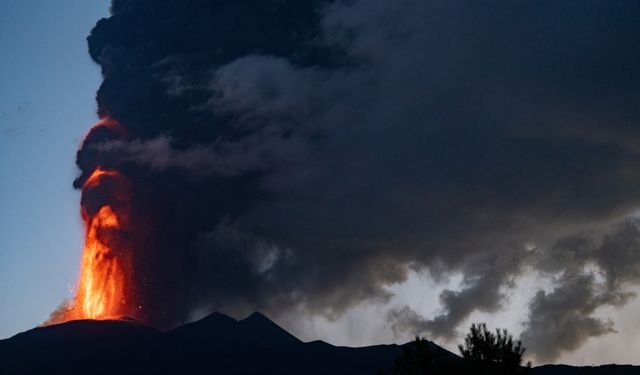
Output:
x=217 y=344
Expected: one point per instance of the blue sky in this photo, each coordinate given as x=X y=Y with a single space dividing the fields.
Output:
x=47 y=90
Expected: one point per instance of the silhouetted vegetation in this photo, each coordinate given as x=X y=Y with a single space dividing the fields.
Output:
x=416 y=358
x=422 y=357
x=485 y=352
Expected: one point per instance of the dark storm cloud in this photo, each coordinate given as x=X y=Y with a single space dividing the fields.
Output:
x=310 y=154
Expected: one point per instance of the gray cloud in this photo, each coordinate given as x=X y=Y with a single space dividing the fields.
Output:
x=563 y=320
x=595 y=270
x=225 y=158
x=481 y=291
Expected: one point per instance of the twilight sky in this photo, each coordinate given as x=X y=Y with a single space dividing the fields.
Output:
x=47 y=90
x=359 y=171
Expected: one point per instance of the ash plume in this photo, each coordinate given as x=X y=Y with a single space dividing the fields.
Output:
x=287 y=154
x=595 y=270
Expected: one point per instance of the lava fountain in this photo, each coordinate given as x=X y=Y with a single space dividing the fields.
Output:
x=105 y=286
x=106 y=267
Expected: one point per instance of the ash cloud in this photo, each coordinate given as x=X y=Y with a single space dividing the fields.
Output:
x=563 y=320
x=287 y=154
x=481 y=291
x=595 y=270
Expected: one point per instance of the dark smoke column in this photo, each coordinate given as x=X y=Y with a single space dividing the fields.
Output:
x=144 y=48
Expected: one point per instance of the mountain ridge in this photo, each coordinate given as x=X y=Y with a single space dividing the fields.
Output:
x=216 y=343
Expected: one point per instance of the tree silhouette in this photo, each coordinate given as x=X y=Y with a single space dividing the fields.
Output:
x=496 y=353
x=483 y=353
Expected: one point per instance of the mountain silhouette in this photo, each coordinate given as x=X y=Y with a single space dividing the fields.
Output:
x=216 y=344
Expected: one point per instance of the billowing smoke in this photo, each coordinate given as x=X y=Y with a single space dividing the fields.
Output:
x=594 y=271
x=309 y=154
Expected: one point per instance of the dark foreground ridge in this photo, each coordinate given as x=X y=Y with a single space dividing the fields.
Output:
x=216 y=344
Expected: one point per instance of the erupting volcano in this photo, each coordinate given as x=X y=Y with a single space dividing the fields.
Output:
x=105 y=286
x=106 y=266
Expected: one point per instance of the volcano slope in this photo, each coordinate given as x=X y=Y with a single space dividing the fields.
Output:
x=216 y=344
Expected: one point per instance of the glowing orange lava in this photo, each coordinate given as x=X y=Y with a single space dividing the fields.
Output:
x=103 y=289
x=94 y=180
